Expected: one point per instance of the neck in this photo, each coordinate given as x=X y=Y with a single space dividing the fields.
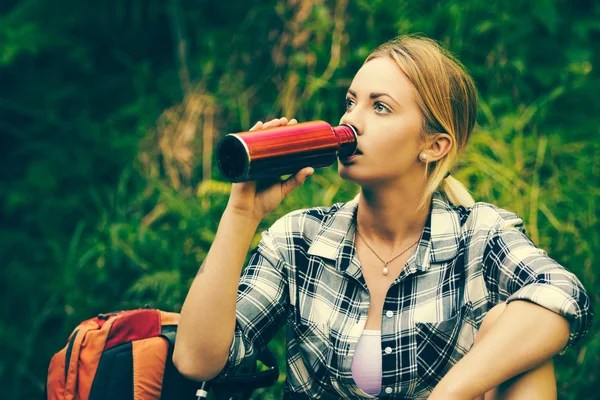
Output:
x=392 y=216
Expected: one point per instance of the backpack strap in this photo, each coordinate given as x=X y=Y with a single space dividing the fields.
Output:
x=254 y=380
x=177 y=386
x=78 y=383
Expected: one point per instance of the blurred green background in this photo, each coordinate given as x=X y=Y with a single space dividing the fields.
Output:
x=110 y=112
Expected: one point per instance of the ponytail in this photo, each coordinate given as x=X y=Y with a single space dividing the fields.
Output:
x=456 y=192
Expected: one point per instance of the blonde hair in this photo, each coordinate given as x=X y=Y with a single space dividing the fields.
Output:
x=447 y=98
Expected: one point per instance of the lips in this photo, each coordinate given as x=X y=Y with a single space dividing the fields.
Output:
x=348 y=160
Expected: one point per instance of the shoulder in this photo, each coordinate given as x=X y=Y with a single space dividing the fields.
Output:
x=306 y=222
x=483 y=223
x=489 y=216
x=292 y=235
x=480 y=218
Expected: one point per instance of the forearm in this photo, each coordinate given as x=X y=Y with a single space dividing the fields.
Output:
x=523 y=337
x=207 y=320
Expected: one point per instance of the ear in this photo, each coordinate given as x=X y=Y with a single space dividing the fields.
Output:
x=437 y=146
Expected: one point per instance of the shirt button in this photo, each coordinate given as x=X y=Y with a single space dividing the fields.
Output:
x=389 y=314
x=388 y=390
x=388 y=350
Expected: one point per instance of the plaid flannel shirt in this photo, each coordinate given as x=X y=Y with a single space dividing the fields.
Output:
x=304 y=273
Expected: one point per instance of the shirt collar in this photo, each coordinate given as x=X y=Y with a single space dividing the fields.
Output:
x=439 y=241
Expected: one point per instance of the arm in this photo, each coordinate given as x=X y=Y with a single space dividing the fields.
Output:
x=547 y=311
x=207 y=321
x=524 y=336
x=208 y=316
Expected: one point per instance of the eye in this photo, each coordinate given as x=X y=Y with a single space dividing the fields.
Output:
x=381 y=108
x=349 y=103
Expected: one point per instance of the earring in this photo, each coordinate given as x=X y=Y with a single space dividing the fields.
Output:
x=423 y=156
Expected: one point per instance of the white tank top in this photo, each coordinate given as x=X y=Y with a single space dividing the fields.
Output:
x=366 y=365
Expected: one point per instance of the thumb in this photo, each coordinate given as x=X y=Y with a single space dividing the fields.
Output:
x=298 y=179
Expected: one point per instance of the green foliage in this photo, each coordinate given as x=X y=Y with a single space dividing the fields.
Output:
x=104 y=206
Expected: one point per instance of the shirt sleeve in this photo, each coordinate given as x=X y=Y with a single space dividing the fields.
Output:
x=260 y=308
x=515 y=269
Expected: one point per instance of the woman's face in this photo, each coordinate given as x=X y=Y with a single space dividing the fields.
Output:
x=380 y=104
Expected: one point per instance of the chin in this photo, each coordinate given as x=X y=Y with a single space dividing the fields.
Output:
x=349 y=173
x=353 y=174
x=344 y=171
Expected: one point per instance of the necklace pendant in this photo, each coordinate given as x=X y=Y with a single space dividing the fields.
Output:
x=385 y=270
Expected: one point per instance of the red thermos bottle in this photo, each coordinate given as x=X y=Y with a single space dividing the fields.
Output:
x=273 y=152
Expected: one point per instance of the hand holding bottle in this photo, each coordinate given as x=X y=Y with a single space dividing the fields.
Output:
x=254 y=199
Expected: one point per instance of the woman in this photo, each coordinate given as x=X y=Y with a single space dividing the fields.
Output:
x=411 y=290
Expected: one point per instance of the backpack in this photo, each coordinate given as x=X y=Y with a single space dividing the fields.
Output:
x=128 y=355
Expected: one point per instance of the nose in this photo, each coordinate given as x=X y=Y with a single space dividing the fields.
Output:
x=351 y=119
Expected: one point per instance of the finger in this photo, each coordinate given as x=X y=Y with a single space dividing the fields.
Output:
x=271 y=123
x=298 y=179
x=276 y=122
x=293 y=121
x=257 y=125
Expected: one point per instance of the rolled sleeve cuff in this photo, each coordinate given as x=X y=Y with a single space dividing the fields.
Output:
x=555 y=299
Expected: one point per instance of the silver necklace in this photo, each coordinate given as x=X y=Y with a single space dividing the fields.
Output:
x=385 y=270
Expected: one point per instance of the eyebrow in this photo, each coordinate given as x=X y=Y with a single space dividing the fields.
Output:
x=375 y=95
